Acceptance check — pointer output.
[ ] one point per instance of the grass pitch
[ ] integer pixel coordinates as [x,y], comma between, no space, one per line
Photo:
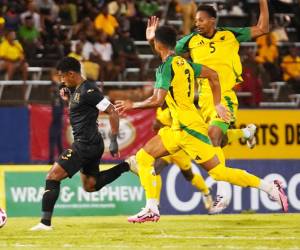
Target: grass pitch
[249,231]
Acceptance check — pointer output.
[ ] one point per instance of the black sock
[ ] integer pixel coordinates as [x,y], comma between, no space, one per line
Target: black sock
[108,176]
[49,199]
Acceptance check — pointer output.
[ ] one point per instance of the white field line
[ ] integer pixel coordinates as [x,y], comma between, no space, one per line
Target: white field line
[170,236]
[234,247]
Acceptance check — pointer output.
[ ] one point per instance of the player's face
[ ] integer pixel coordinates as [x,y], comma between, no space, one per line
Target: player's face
[204,22]
[67,78]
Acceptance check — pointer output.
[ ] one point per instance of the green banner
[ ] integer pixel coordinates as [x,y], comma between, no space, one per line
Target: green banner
[24,191]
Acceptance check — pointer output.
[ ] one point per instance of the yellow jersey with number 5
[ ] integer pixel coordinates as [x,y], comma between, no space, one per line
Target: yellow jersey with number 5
[219,52]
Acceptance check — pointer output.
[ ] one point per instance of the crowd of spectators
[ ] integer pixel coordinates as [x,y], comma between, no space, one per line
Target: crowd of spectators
[98,33]
[101,35]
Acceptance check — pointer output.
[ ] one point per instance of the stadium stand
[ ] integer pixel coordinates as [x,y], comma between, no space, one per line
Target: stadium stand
[56,25]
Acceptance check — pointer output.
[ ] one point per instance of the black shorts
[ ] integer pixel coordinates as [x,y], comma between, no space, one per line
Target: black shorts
[82,157]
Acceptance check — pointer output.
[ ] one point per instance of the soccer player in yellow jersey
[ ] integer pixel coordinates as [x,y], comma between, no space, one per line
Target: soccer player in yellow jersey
[175,85]
[217,48]
[180,158]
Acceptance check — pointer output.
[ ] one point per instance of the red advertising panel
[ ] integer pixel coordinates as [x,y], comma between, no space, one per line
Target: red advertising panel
[135,131]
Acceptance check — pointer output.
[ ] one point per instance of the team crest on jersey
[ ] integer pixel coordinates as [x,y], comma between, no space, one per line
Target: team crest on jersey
[180,62]
[76,97]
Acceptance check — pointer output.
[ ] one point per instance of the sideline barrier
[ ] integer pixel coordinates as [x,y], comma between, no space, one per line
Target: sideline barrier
[22,187]
[278,135]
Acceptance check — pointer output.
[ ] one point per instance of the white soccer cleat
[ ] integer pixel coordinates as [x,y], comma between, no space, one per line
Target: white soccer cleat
[41,227]
[251,140]
[133,166]
[219,205]
[207,201]
[144,216]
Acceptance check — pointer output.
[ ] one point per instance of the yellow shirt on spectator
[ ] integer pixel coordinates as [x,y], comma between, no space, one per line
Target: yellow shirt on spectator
[108,24]
[268,54]
[12,52]
[291,67]
[76,56]
[267,48]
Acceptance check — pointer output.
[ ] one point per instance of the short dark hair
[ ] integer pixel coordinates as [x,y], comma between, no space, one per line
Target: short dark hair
[210,10]
[166,35]
[69,64]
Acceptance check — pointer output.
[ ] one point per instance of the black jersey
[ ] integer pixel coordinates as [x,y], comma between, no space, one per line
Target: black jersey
[84,113]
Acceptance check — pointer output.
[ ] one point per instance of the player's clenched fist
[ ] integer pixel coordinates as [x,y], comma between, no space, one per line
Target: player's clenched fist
[64,93]
[113,146]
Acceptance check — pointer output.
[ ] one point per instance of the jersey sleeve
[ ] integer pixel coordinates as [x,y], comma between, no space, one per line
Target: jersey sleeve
[182,46]
[165,77]
[92,94]
[241,34]
[197,68]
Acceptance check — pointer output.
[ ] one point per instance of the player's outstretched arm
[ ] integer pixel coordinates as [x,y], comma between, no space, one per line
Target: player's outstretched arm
[262,26]
[156,100]
[215,86]
[114,126]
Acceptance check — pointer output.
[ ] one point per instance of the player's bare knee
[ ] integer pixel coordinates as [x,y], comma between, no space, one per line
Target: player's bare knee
[187,174]
[224,141]
[215,138]
[159,165]
[89,184]
[56,173]
[88,187]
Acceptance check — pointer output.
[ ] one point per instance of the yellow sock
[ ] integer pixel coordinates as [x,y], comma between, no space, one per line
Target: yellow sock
[234,176]
[200,184]
[220,154]
[148,180]
[234,134]
[158,187]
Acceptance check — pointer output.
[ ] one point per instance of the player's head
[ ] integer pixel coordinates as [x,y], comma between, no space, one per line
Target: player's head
[206,19]
[165,38]
[10,35]
[69,71]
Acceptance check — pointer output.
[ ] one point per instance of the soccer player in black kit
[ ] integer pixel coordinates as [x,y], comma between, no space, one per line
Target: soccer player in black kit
[85,102]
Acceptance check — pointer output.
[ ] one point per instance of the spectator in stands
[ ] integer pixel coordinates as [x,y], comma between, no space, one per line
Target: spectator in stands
[77,53]
[127,53]
[56,126]
[148,8]
[12,53]
[12,20]
[296,19]
[122,7]
[268,54]
[254,78]
[86,25]
[2,25]
[49,13]
[291,69]
[109,69]
[48,9]
[188,9]
[105,22]
[87,46]
[29,37]
[67,12]
[31,11]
